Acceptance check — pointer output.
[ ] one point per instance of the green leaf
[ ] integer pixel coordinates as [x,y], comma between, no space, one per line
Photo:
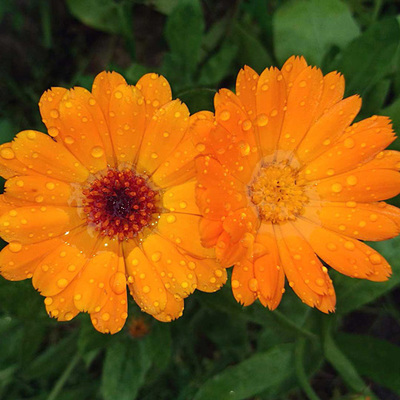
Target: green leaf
[374,358]
[252,51]
[103,15]
[7,131]
[198,99]
[366,60]
[338,360]
[218,66]
[164,6]
[184,35]
[252,376]
[354,293]
[311,27]
[124,370]
[375,98]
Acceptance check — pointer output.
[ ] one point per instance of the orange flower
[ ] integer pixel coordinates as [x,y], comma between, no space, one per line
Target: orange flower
[107,200]
[286,180]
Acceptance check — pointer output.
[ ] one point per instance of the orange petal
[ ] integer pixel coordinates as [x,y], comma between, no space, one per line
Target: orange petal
[358,148]
[58,269]
[246,86]
[210,275]
[127,121]
[244,284]
[210,231]
[362,221]
[362,185]
[61,306]
[103,87]
[49,107]
[238,222]
[99,274]
[162,136]
[302,104]
[112,316]
[291,70]
[173,309]
[172,266]
[144,281]
[18,262]
[156,92]
[348,256]
[83,129]
[271,102]
[32,224]
[181,198]
[179,167]
[267,268]
[182,229]
[233,138]
[38,189]
[9,164]
[228,252]
[302,268]
[42,154]
[332,92]
[212,191]
[328,128]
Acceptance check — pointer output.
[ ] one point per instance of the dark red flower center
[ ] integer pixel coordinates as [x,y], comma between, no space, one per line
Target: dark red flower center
[121,203]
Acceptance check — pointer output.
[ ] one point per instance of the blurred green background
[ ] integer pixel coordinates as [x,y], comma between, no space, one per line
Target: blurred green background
[218,350]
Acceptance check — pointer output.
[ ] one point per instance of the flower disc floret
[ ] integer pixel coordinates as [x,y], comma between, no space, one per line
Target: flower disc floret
[278,193]
[121,204]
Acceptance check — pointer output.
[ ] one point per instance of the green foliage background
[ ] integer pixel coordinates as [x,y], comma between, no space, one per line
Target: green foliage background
[218,349]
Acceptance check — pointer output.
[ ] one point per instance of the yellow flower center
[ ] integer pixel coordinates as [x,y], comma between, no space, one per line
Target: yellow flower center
[278,193]
[121,204]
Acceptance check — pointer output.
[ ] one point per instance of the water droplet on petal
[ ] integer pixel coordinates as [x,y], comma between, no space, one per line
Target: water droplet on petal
[97,152]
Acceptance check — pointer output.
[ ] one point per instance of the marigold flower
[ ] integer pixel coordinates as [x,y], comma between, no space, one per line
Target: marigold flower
[285,180]
[107,200]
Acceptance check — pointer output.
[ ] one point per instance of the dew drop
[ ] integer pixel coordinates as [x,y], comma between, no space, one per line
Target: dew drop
[253,284]
[171,219]
[235,284]
[262,120]
[62,283]
[146,289]
[156,256]
[97,152]
[7,153]
[246,125]
[118,282]
[349,143]
[15,247]
[336,188]
[351,180]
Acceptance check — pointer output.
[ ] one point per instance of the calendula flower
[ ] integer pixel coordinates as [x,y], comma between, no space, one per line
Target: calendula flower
[106,200]
[287,180]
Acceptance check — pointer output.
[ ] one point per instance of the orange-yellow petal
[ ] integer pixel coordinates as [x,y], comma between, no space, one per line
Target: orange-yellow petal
[58,269]
[103,87]
[171,265]
[268,270]
[302,105]
[348,256]
[173,309]
[362,221]
[164,132]
[246,86]
[38,189]
[127,122]
[244,284]
[42,154]
[182,230]
[332,92]
[291,69]
[270,109]
[181,198]
[32,224]
[156,92]
[97,276]
[61,306]
[361,185]
[330,126]
[144,281]
[18,262]
[359,147]
[9,164]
